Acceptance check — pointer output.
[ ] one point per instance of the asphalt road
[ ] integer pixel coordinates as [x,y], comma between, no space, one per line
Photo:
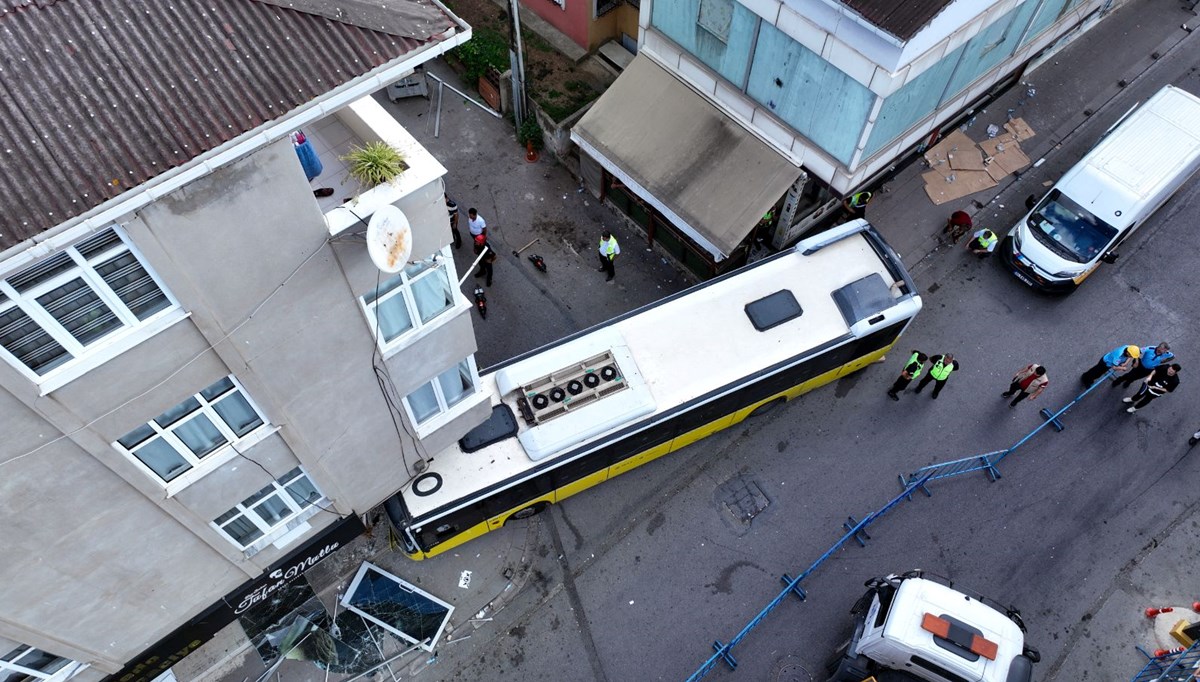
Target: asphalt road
[633,580]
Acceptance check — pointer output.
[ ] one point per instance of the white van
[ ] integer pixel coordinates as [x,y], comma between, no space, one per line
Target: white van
[1138,164]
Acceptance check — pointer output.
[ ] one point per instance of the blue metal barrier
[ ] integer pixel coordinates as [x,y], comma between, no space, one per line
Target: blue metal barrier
[724,652]
[856,530]
[1177,666]
[987,461]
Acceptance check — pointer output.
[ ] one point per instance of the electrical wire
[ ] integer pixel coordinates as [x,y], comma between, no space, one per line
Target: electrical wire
[383,378]
[276,478]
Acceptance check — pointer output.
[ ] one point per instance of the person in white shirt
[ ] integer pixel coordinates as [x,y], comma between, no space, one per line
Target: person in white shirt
[475,223]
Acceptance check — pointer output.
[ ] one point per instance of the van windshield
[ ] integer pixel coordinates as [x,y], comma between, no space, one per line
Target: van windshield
[1069,228]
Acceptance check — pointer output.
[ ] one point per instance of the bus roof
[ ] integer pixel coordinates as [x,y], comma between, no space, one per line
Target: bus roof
[675,351]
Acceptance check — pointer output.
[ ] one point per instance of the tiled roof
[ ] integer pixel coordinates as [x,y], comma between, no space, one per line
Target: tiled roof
[901,18]
[99,97]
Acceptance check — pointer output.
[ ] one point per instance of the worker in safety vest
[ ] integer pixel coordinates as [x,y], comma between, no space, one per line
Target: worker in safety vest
[939,373]
[983,243]
[855,205]
[609,250]
[912,370]
[767,219]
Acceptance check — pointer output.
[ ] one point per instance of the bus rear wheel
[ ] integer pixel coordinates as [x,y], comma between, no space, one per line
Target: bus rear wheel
[766,407]
[528,512]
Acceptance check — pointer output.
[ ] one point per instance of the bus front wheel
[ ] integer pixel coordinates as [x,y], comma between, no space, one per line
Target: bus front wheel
[528,512]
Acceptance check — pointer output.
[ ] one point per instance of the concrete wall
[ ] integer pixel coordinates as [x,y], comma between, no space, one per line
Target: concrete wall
[93,544]
[571,17]
[623,19]
[87,555]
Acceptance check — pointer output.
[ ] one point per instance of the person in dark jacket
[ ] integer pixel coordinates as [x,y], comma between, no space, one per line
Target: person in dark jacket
[1161,381]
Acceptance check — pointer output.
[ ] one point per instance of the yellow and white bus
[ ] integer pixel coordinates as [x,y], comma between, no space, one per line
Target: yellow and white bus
[596,404]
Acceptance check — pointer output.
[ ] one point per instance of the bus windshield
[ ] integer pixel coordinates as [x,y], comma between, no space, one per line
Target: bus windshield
[1070,229]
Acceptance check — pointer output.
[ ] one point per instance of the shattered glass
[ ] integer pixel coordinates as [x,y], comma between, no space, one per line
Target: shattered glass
[294,625]
[398,606]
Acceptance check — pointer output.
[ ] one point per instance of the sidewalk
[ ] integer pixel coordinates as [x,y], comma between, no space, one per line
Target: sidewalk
[521,202]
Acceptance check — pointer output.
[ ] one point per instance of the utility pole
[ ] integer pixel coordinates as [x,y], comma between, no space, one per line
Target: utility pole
[516,62]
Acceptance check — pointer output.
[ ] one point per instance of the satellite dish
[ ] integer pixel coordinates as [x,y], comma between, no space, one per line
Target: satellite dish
[389,239]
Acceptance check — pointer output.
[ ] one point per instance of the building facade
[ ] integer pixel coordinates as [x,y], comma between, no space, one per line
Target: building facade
[836,91]
[203,376]
[590,23]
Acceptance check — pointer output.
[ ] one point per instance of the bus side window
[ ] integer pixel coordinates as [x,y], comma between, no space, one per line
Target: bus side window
[876,340]
[435,532]
[517,495]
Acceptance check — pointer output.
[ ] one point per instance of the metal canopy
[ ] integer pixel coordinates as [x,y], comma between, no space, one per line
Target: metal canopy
[706,173]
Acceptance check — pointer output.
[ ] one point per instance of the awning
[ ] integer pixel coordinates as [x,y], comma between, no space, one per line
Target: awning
[704,172]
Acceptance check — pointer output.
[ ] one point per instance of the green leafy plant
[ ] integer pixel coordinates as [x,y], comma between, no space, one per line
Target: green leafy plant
[485,51]
[530,131]
[375,163]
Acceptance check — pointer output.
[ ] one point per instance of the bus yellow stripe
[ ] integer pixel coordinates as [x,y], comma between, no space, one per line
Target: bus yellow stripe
[701,432]
[581,485]
[639,459]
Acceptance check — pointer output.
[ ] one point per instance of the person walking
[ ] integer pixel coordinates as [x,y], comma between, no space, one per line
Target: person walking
[1161,381]
[1152,357]
[912,370]
[609,250]
[939,373]
[1030,382]
[488,260]
[475,223]
[983,243]
[452,210]
[1118,359]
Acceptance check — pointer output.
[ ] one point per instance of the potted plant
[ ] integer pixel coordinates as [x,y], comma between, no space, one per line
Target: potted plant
[530,133]
[375,163]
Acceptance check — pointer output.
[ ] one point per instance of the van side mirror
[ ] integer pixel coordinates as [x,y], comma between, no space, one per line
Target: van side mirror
[1030,201]
[1109,258]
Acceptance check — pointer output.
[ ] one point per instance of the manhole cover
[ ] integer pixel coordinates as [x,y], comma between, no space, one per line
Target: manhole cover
[790,670]
[743,498]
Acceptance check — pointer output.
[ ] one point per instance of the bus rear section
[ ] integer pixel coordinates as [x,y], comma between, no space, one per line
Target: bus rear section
[606,400]
[1131,172]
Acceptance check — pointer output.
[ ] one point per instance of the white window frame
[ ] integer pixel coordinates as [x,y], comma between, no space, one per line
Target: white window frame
[68,668]
[85,358]
[445,264]
[200,466]
[285,527]
[445,412]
